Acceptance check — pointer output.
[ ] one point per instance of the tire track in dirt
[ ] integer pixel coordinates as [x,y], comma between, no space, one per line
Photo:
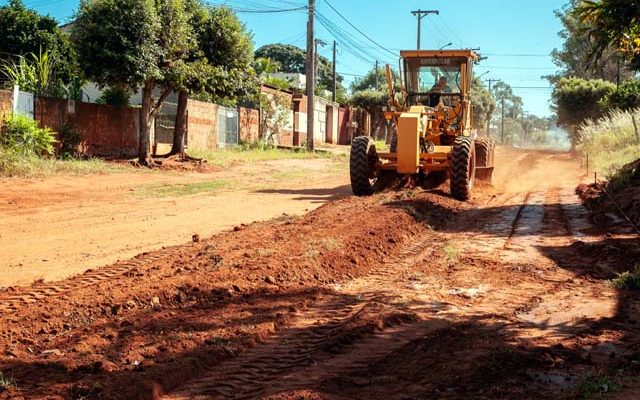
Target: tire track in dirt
[398,312]
[12,302]
[355,322]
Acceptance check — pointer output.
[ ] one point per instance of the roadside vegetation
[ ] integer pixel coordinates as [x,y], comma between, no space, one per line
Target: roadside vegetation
[248,153]
[27,150]
[610,142]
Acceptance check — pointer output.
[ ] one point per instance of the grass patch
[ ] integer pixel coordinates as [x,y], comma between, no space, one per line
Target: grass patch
[187,189]
[627,280]
[595,386]
[610,142]
[316,246]
[227,157]
[17,165]
[451,252]
[6,382]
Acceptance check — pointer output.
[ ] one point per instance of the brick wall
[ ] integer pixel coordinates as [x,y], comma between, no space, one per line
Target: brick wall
[6,103]
[202,125]
[105,130]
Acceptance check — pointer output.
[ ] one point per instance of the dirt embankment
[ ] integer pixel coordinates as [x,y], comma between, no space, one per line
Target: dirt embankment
[165,315]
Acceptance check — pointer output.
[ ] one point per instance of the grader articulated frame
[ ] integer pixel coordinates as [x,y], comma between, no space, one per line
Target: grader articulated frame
[432,127]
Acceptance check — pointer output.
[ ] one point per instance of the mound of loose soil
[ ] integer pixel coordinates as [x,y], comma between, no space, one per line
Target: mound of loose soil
[604,202]
[124,330]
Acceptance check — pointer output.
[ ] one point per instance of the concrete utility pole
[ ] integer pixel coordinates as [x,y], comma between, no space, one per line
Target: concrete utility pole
[421,14]
[502,129]
[318,42]
[377,77]
[310,70]
[335,76]
[490,81]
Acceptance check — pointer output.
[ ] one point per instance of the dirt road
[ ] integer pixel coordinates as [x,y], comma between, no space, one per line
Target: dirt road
[407,295]
[57,227]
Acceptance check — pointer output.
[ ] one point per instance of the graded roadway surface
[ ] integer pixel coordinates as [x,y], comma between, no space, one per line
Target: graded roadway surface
[403,295]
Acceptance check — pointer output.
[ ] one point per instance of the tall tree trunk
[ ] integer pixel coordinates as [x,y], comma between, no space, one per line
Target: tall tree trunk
[180,129]
[146,114]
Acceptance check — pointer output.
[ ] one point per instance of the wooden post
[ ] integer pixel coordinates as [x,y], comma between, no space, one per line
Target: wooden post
[635,125]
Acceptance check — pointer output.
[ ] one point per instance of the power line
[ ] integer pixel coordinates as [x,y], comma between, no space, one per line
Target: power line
[358,30]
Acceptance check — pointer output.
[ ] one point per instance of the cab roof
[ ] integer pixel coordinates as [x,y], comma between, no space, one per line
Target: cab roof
[467,53]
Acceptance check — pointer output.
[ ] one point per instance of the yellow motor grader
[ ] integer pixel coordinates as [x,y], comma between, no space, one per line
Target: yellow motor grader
[432,127]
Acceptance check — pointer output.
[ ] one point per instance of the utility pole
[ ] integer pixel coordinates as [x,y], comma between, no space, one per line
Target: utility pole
[310,70]
[335,76]
[318,42]
[377,76]
[421,14]
[489,119]
[502,129]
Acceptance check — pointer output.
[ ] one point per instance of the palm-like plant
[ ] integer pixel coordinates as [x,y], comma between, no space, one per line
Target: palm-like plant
[33,72]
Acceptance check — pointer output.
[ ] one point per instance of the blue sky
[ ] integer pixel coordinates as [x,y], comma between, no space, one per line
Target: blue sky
[516,36]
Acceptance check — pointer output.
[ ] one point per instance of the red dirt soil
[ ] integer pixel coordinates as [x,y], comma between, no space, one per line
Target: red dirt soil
[397,296]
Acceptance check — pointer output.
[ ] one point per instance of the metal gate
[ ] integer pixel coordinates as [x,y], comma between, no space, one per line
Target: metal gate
[23,102]
[228,124]
[165,122]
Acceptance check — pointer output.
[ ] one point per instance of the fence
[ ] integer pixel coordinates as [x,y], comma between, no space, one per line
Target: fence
[164,127]
[23,102]
[228,127]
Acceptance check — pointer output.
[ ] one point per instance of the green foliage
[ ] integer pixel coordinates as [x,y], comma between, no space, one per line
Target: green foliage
[368,82]
[35,73]
[24,32]
[292,59]
[23,136]
[574,57]
[370,100]
[598,386]
[117,41]
[69,139]
[114,96]
[627,176]
[610,142]
[612,24]
[16,164]
[577,100]
[482,102]
[625,97]
[275,114]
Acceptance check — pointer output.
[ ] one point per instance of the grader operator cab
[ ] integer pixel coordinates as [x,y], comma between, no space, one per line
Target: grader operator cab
[432,128]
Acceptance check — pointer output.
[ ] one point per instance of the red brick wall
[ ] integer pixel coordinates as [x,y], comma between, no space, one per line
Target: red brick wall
[249,125]
[6,103]
[202,125]
[105,130]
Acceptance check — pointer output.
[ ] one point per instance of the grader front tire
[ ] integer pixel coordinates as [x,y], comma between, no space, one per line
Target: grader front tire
[463,168]
[362,165]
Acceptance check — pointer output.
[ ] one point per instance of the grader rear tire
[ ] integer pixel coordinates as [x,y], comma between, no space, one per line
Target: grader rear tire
[463,168]
[362,166]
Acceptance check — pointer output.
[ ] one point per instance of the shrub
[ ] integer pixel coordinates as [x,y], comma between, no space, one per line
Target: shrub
[625,97]
[114,96]
[69,141]
[23,135]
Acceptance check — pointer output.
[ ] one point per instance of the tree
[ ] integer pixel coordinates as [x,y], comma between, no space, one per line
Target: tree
[133,43]
[368,82]
[219,67]
[482,102]
[612,24]
[577,100]
[27,35]
[574,57]
[292,59]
